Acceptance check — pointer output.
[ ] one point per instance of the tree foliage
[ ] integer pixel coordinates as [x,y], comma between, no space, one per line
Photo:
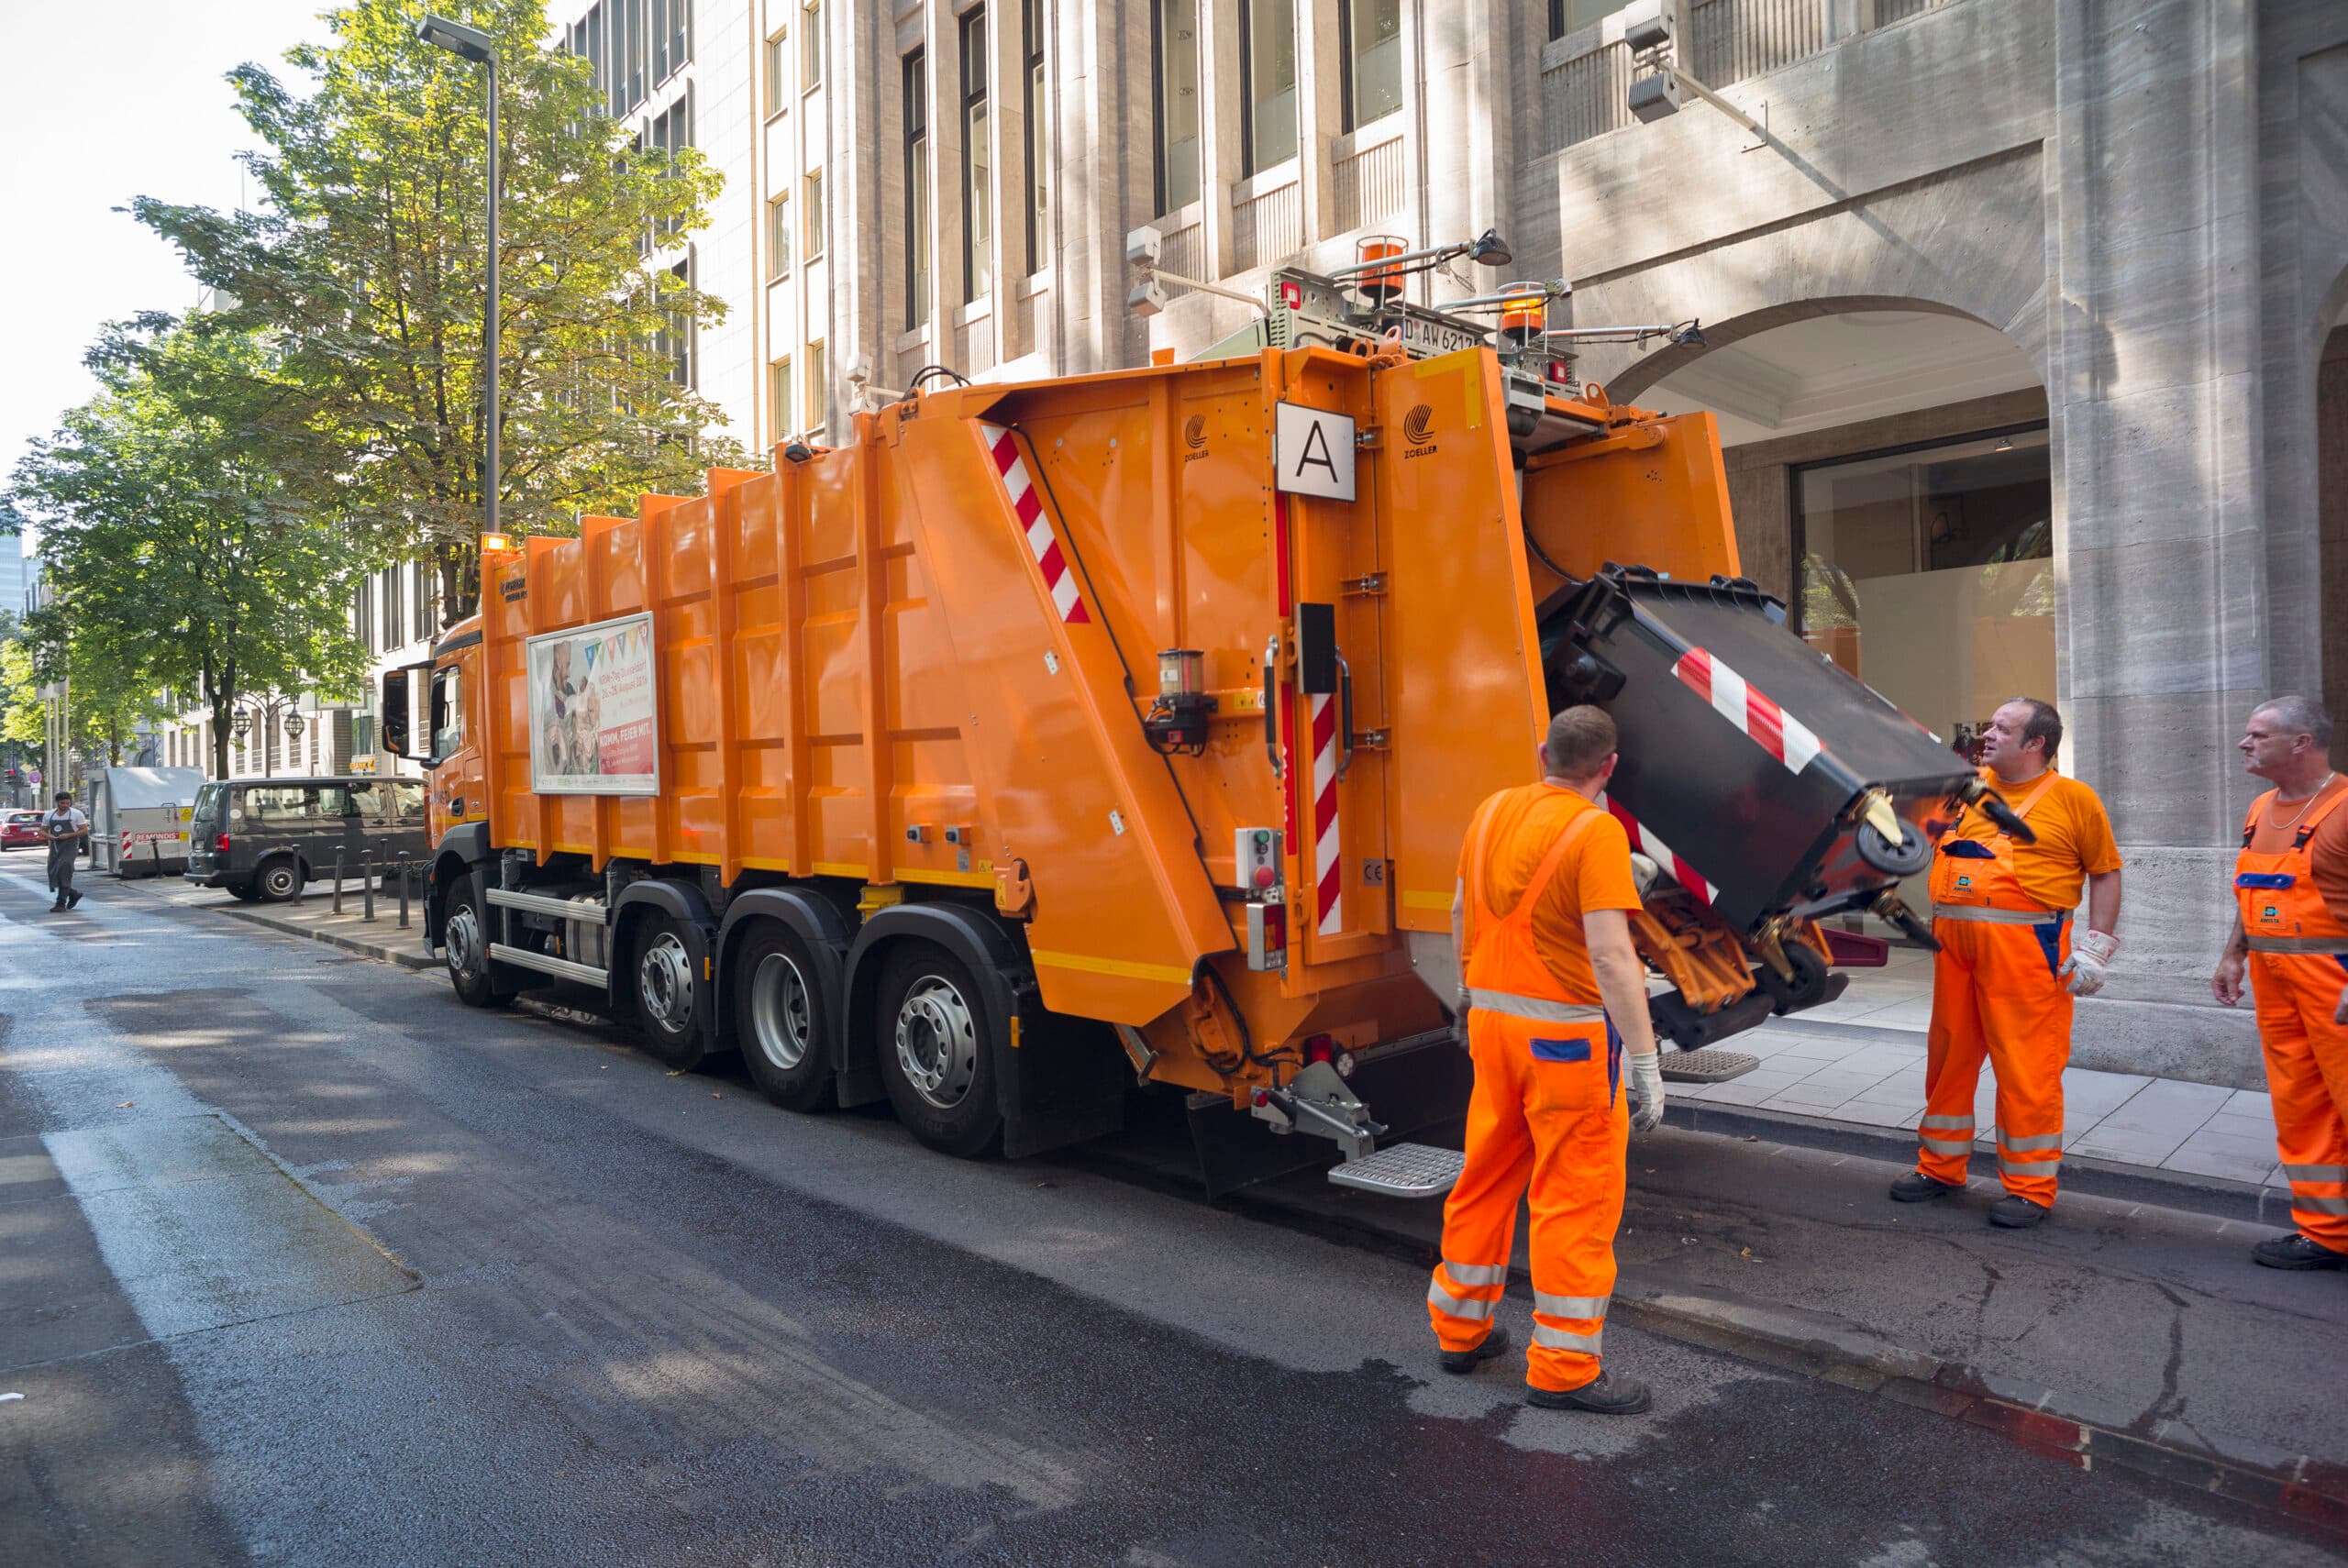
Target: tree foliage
[365,266]
[178,559]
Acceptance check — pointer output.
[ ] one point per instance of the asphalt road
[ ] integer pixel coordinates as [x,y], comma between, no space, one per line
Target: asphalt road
[301,1261]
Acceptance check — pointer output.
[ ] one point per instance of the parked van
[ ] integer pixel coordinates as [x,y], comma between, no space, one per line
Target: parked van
[263,838]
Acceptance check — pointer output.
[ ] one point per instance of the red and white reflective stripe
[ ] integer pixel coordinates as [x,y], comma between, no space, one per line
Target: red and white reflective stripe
[1328,876]
[1773,729]
[1027,501]
[1644,839]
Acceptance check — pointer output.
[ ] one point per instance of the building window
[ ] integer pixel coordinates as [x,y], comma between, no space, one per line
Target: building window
[811,44]
[1369,43]
[671,131]
[362,614]
[1031,22]
[1174,62]
[777,71]
[815,386]
[661,64]
[1572,15]
[916,82]
[428,603]
[779,407]
[395,621]
[1267,71]
[680,41]
[632,54]
[813,218]
[978,163]
[1907,555]
[675,338]
[778,236]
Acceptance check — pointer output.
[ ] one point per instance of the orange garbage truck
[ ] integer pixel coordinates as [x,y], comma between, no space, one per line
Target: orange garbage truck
[1041,740]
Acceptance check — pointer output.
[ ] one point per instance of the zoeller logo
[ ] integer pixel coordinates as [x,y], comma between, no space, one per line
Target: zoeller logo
[1415,426]
[1195,435]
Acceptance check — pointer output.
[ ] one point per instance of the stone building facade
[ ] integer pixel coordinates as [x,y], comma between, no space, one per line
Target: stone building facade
[2018,316]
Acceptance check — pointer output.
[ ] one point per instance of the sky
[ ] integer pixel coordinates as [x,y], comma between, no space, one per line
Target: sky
[114,99]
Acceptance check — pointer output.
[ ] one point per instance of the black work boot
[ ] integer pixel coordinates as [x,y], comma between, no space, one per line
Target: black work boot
[74,898]
[1463,1361]
[2016,1213]
[1611,1395]
[2296,1250]
[1918,1187]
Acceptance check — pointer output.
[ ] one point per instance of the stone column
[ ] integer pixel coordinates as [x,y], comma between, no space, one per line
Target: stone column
[2153,403]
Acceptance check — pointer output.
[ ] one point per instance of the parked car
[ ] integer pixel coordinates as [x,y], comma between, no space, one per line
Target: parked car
[263,838]
[20,827]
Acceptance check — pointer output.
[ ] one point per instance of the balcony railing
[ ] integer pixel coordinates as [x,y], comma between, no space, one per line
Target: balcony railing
[1267,225]
[1367,177]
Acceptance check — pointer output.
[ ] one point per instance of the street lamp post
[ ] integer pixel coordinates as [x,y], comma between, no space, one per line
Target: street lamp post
[267,710]
[482,49]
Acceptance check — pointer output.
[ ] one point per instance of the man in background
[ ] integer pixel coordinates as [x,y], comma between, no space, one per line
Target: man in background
[68,832]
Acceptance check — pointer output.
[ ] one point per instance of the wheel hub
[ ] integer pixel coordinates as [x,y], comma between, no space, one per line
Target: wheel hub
[463,940]
[664,979]
[782,1018]
[937,1042]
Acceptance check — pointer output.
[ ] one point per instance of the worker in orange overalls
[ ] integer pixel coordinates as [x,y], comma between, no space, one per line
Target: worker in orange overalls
[2290,941]
[1553,989]
[2005,977]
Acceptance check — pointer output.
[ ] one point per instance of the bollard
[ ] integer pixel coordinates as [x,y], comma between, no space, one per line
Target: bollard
[338,879]
[367,885]
[402,892]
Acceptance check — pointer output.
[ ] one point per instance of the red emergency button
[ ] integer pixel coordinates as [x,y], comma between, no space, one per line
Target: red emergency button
[1262,875]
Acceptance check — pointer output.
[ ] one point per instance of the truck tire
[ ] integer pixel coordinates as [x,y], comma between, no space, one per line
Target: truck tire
[780,1017]
[666,993]
[938,1051]
[464,942]
[278,880]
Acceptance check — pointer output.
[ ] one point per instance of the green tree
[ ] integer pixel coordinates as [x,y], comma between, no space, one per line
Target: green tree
[178,557]
[367,265]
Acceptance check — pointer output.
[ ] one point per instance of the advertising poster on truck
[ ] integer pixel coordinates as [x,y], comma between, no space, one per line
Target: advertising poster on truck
[594,721]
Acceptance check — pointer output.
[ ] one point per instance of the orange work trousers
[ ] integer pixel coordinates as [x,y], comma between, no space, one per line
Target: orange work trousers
[1996,995]
[2307,1074]
[1549,1123]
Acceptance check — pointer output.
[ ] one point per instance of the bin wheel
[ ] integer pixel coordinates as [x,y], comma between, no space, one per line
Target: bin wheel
[1806,988]
[1911,855]
[938,1051]
[279,880]
[780,1017]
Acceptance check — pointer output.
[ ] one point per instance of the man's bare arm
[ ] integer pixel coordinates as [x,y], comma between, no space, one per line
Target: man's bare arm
[1622,978]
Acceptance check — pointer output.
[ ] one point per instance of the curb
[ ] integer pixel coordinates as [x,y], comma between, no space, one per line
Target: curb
[405,958]
[2214,1196]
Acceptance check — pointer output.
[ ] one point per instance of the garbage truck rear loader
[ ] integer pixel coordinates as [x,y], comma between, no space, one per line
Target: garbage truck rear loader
[1043,739]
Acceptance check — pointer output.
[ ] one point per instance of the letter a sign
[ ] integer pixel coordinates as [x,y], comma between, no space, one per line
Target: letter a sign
[1313,452]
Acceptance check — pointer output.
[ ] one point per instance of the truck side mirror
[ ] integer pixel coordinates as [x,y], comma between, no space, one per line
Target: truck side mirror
[394,709]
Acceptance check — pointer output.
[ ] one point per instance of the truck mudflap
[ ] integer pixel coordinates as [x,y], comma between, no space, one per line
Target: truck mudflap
[1770,784]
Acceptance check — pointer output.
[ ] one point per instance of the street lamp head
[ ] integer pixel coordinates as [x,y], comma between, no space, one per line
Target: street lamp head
[458,39]
[243,725]
[293,726]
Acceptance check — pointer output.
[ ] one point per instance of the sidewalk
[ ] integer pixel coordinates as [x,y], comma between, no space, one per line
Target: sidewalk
[1860,1059]
[311,915]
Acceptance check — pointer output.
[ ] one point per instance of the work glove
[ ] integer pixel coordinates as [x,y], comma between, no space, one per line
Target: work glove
[2090,955]
[1646,1090]
[1459,1018]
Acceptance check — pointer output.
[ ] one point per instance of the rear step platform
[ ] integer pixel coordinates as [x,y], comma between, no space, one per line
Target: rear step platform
[1707,1066]
[1402,1170]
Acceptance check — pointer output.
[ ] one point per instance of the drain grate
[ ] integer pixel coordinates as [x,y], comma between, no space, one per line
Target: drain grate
[1707,1066]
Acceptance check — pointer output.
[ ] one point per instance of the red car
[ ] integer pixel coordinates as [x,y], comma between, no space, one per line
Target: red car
[20,827]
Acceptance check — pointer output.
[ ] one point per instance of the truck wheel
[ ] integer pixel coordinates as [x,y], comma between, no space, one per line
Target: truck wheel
[938,1051]
[779,1018]
[279,880]
[464,940]
[668,994]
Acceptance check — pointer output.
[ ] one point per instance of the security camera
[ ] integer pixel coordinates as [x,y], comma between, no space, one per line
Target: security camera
[1142,246]
[1148,297]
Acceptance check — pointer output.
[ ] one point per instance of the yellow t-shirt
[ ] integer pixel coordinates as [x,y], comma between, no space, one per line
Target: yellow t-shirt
[2074,838]
[1595,874]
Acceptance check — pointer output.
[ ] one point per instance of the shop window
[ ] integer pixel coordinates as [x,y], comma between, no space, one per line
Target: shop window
[1929,574]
